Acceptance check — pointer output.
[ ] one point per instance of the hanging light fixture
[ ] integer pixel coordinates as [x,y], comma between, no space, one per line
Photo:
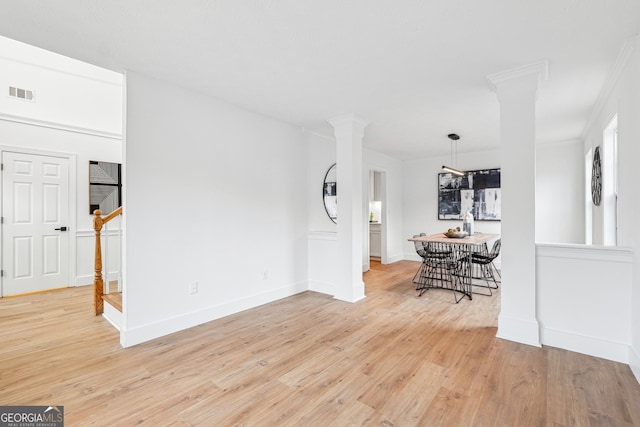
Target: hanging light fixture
[454,141]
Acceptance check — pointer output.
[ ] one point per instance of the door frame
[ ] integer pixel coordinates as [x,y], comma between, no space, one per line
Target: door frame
[384,258]
[71,158]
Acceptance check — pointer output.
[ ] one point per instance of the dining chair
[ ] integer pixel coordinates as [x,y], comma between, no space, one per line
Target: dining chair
[484,267]
[442,264]
[422,252]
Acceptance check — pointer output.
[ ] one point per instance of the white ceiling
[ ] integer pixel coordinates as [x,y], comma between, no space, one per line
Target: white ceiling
[415,69]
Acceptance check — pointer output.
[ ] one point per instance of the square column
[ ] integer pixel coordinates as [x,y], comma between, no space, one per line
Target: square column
[349,131]
[517,94]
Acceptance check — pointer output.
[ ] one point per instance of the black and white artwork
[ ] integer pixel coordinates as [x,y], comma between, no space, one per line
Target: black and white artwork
[477,191]
[330,189]
[105,186]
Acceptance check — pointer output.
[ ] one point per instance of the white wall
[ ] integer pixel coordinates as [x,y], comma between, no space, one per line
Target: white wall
[420,196]
[322,236]
[560,192]
[214,195]
[624,100]
[68,93]
[321,155]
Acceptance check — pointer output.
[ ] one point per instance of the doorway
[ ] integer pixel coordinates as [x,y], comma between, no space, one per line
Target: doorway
[36,219]
[377,215]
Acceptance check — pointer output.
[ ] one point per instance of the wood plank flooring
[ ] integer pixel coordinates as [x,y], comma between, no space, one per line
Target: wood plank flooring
[392,359]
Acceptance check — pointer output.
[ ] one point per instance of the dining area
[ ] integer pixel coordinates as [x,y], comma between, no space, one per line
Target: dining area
[457,261]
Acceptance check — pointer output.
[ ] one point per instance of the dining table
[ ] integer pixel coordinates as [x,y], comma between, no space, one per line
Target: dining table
[465,247]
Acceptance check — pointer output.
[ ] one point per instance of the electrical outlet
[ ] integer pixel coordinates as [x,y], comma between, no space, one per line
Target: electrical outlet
[265,275]
[193,288]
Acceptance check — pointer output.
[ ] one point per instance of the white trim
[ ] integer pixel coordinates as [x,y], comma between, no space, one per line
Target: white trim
[634,362]
[519,329]
[412,257]
[322,235]
[585,344]
[96,70]
[123,220]
[322,287]
[539,68]
[320,135]
[59,126]
[84,280]
[113,315]
[131,337]
[396,258]
[585,252]
[92,233]
[612,79]
[358,123]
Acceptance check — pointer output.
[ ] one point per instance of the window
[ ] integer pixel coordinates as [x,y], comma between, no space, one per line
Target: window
[610,183]
[588,220]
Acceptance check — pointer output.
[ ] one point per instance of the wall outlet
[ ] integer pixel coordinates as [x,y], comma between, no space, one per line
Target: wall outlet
[193,288]
[265,275]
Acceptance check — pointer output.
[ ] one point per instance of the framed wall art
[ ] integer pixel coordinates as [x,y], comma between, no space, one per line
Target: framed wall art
[478,191]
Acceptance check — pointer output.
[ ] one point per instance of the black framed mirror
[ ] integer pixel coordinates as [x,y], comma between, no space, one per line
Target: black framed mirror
[330,193]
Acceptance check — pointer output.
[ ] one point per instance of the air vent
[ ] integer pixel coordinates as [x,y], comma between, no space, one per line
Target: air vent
[25,94]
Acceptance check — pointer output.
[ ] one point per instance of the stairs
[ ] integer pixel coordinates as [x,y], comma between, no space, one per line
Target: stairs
[114,299]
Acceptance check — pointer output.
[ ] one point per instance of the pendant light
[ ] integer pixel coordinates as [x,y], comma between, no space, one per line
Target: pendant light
[454,141]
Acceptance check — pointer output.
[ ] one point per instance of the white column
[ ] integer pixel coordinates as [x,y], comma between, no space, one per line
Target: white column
[349,131]
[517,93]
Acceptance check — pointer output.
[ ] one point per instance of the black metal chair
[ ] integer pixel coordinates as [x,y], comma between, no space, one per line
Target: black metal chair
[441,264]
[483,267]
[422,251]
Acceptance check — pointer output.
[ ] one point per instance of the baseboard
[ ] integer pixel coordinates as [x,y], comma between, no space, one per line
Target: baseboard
[87,280]
[517,329]
[634,363]
[412,257]
[112,315]
[138,335]
[322,287]
[592,346]
[394,258]
[84,280]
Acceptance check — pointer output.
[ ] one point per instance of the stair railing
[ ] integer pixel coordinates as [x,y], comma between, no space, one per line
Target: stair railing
[98,283]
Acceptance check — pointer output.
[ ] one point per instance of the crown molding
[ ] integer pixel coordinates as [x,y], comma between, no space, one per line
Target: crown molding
[628,47]
[539,68]
[319,135]
[348,119]
[59,126]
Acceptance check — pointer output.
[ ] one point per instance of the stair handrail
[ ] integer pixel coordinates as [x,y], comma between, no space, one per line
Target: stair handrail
[98,283]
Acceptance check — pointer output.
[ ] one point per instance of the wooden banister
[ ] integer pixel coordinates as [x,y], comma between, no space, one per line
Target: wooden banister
[98,284]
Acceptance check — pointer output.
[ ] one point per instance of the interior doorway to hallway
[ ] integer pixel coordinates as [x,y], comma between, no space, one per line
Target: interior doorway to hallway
[377,215]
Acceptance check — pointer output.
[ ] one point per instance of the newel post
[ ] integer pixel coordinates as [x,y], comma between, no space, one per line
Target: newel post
[98,283]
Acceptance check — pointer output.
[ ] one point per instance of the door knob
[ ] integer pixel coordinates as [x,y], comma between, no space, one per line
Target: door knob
[61,229]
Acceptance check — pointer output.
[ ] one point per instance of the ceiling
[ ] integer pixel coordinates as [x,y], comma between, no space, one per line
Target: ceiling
[415,69]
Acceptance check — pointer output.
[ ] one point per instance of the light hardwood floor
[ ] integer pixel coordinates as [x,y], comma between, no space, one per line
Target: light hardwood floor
[392,359]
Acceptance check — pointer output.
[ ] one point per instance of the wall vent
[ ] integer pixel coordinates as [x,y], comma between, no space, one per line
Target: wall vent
[25,94]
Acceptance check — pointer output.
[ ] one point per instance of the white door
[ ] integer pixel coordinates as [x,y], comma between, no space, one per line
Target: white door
[35,214]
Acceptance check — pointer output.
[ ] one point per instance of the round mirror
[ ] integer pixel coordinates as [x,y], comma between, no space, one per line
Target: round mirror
[329,193]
